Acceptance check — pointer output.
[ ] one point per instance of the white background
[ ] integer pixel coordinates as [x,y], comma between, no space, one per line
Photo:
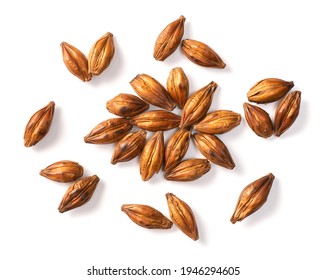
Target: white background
[256,39]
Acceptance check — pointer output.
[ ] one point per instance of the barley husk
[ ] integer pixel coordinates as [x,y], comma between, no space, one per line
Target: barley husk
[176,148]
[151,158]
[258,120]
[156,120]
[146,216]
[201,54]
[287,112]
[188,170]
[63,171]
[109,131]
[213,149]
[152,91]
[39,125]
[169,39]
[101,54]
[129,146]
[78,193]
[178,86]
[197,105]
[252,197]
[218,122]
[75,61]
[126,105]
[269,90]
[182,216]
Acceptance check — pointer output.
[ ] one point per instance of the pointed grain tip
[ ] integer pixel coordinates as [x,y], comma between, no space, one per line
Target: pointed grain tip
[214,85]
[271,175]
[182,18]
